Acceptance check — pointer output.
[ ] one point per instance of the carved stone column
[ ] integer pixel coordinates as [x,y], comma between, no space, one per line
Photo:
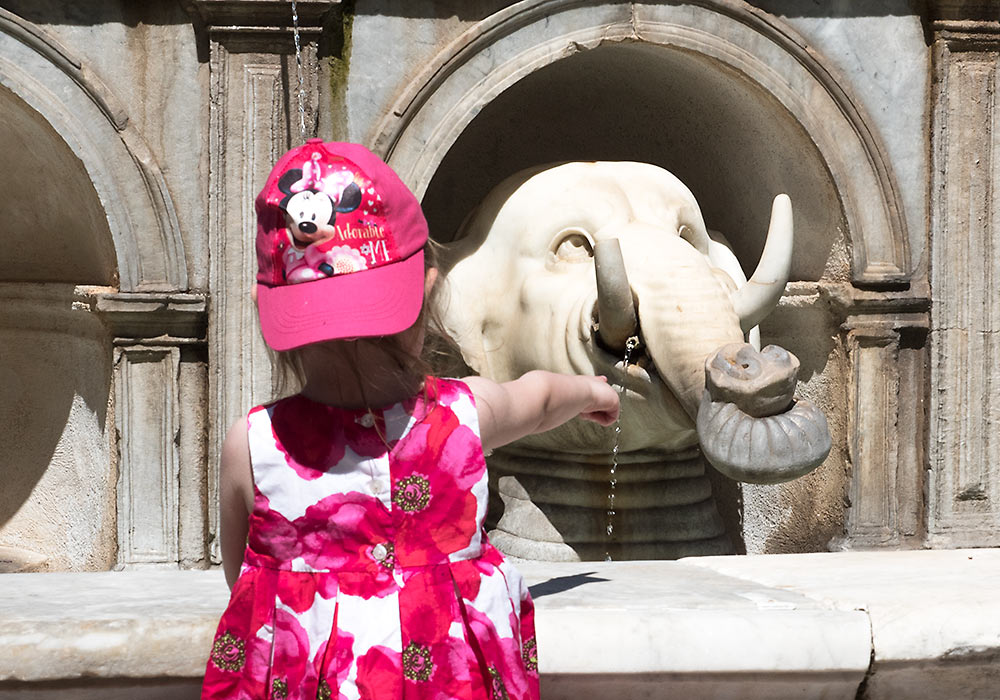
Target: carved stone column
[964,476]
[254,119]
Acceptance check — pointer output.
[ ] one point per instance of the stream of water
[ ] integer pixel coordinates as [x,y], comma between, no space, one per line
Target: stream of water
[630,345]
[298,70]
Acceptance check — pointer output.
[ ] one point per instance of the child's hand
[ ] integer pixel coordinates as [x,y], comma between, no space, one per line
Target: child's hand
[539,401]
[604,402]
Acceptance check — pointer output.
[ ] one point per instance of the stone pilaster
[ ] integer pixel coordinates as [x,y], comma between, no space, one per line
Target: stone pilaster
[254,102]
[885,337]
[159,348]
[964,451]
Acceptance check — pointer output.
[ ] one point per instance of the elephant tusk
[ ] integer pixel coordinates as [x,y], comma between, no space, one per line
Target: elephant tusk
[616,317]
[758,297]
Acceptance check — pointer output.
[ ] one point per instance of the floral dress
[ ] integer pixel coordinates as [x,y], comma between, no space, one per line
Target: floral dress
[367,572]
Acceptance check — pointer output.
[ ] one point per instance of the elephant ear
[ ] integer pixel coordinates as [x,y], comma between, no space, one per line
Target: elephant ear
[721,256]
[458,322]
[474,321]
[723,259]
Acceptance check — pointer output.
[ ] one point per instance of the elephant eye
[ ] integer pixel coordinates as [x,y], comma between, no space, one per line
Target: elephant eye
[573,245]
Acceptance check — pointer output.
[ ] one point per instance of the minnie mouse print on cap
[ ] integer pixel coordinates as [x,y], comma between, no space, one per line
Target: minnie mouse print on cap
[340,243]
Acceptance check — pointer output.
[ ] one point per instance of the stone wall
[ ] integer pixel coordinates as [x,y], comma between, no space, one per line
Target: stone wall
[137,134]
[104,289]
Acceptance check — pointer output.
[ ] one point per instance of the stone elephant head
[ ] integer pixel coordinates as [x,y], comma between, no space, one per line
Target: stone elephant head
[559,266]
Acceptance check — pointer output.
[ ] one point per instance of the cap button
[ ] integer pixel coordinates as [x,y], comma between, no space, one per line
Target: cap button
[314,140]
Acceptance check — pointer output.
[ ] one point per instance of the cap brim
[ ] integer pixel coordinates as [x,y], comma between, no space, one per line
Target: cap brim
[379,301]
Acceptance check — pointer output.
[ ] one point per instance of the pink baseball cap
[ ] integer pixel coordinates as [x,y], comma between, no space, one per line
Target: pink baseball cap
[340,243]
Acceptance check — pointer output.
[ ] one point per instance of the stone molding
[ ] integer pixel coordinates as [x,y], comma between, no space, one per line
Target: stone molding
[964,488]
[153,318]
[964,10]
[886,429]
[261,16]
[442,100]
[150,318]
[93,122]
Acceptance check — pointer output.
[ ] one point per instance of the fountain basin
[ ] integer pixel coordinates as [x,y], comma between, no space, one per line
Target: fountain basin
[917,624]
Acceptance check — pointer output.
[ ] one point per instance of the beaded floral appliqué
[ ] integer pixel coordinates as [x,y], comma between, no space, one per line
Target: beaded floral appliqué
[385,554]
[324,692]
[529,654]
[279,689]
[499,689]
[228,652]
[412,493]
[417,664]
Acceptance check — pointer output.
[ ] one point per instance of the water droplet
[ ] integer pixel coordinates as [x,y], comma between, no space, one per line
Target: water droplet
[630,345]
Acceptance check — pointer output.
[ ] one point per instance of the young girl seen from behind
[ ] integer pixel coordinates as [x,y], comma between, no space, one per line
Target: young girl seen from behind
[352,512]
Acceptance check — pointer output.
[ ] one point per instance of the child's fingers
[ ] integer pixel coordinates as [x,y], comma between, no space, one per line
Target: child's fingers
[604,418]
[604,396]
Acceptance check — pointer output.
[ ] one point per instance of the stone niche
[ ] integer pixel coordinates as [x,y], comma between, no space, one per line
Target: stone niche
[57,507]
[102,362]
[739,106]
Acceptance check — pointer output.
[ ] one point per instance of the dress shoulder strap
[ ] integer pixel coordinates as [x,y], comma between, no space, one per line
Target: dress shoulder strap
[456,396]
[265,454]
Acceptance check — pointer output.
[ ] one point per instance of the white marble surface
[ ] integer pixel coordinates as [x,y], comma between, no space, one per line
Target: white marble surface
[934,615]
[670,630]
[770,626]
[670,617]
[922,605]
[136,624]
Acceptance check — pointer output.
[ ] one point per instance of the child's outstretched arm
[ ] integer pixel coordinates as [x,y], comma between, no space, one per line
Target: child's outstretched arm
[235,498]
[539,401]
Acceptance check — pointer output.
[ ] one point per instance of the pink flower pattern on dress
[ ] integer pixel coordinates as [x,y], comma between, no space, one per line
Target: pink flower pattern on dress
[367,574]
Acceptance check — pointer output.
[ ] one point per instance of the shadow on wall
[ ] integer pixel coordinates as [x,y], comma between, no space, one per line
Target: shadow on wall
[96,12]
[732,144]
[56,384]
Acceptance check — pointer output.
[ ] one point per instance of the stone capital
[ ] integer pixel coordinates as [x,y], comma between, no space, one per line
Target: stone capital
[153,318]
[261,16]
[967,25]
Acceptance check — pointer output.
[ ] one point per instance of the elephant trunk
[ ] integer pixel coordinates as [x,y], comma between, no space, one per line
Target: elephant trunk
[616,318]
[685,314]
[750,426]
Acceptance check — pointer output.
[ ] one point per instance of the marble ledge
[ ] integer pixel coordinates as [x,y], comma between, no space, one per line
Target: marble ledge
[899,624]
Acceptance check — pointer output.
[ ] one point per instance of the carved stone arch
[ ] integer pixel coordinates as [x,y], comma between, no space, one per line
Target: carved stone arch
[494,55]
[85,114]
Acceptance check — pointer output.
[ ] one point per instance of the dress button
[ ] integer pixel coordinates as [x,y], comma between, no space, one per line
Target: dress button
[380,552]
[376,486]
[366,421]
